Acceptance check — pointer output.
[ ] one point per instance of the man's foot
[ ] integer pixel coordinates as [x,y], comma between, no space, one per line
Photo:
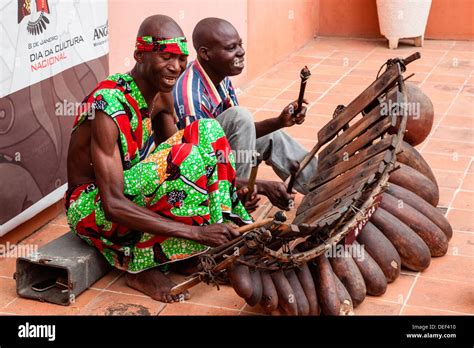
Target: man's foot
[155,284]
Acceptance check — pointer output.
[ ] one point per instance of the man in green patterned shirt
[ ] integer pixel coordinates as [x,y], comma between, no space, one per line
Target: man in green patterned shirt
[142,193]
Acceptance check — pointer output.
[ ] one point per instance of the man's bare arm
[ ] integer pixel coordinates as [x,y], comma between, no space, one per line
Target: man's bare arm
[267,126]
[117,208]
[287,118]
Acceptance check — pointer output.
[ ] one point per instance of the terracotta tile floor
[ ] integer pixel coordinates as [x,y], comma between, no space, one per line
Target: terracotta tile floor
[341,69]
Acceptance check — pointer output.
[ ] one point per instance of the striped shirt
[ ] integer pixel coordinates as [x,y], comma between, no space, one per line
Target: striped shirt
[196,97]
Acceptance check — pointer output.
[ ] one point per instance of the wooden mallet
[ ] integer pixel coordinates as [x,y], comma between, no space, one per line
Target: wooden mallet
[257,158]
[194,280]
[304,75]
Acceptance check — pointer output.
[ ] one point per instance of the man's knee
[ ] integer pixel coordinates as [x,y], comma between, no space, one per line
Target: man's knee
[242,114]
[238,116]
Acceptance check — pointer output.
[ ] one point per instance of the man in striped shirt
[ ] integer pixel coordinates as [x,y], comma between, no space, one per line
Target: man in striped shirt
[204,90]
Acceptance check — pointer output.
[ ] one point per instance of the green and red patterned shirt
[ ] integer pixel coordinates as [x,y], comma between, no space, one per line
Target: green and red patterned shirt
[119,97]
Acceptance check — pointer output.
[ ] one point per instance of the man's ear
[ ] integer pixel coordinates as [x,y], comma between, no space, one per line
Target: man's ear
[203,53]
[138,55]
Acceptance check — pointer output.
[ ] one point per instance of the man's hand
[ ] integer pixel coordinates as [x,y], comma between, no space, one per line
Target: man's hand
[288,117]
[215,234]
[252,203]
[276,193]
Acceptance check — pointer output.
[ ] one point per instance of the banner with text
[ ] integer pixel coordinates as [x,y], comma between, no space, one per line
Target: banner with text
[52,55]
